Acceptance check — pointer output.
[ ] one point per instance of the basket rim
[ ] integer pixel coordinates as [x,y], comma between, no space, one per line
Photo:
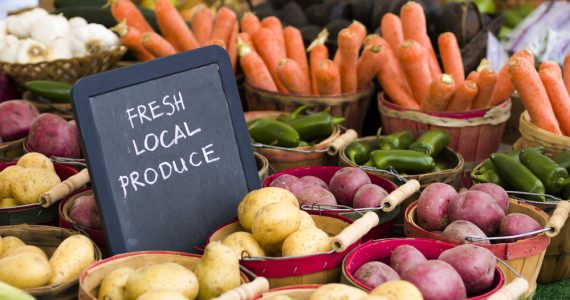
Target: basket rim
[323,100]
[7,144]
[526,124]
[65,206]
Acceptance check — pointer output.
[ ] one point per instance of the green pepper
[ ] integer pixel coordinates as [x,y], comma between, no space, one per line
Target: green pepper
[563,159]
[397,140]
[369,163]
[517,175]
[292,116]
[487,173]
[316,125]
[432,142]
[358,152]
[554,177]
[303,144]
[407,161]
[272,132]
[52,90]
[515,154]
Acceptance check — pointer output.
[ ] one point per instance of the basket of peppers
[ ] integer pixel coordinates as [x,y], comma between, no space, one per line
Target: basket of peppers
[402,156]
[297,139]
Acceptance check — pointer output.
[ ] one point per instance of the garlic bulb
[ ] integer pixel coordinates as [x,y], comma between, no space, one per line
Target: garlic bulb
[20,25]
[48,28]
[76,22]
[9,50]
[91,39]
[31,51]
[59,49]
[3,32]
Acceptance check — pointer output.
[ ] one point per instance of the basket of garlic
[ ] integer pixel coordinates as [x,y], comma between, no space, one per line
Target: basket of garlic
[36,45]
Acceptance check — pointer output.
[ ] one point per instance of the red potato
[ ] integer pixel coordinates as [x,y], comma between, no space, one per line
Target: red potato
[316,195]
[84,211]
[496,192]
[288,182]
[405,257]
[51,135]
[475,265]
[16,118]
[73,127]
[310,181]
[517,223]
[374,273]
[460,229]
[432,211]
[345,182]
[478,208]
[437,280]
[369,195]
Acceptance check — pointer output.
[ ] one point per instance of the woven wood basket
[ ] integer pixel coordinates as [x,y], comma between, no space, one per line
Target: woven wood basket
[66,70]
[262,166]
[11,150]
[48,239]
[532,135]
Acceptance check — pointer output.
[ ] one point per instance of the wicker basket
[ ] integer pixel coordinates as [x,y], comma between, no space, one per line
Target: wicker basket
[48,239]
[66,70]
[532,135]
[11,150]
[262,166]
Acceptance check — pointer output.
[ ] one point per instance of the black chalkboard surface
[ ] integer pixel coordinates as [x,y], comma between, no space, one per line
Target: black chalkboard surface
[168,150]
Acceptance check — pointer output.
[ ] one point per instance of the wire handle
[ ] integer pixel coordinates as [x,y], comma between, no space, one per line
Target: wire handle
[496,238]
[399,195]
[355,231]
[515,193]
[246,291]
[64,188]
[389,171]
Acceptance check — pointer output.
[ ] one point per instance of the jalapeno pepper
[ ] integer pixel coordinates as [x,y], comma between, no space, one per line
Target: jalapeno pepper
[397,140]
[563,159]
[517,175]
[358,152]
[408,161]
[52,90]
[554,177]
[369,163]
[432,142]
[315,125]
[303,144]
[292,116]
[487,173]
[272,132]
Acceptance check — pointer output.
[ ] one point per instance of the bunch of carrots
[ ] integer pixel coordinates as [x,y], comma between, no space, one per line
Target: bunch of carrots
[274,58]
[206,29]
[545,93]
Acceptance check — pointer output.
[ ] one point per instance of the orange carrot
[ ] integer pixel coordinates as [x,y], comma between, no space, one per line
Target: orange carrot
[202,23]
[504,87]
[533,94]
[551,76]
[337,57]
[463,96]
[328,78]
[156,44]
[414,61]
[254,68]
[127,10]
[451,57]
[274,24]
[131,37]
[293,78]
[374,39]
[440,91]
[473,76]
[269,50]
[414,27]
[224,24]
[246,38]
[217,42]
[296,48]
[359,29]
[232,47]
[173,27]
[368,65]
[566,73]
[391,28]
[485,85]
[250,23]
[348,46]
[317,52]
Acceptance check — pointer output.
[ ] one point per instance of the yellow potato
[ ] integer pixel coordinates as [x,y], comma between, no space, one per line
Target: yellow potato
[73,255]
[306,220]
[243,243]
[35,160]
[398,289]
[29,184]
[24,249]
[372,297]
[6,177]
[1,246]
[217,271]
[113,285]
[255,200]
[306,241]
[24,271]
[279,297]
[8,202]
[167,276]
[10,242]
[274,222]
[161,295]
[337,291]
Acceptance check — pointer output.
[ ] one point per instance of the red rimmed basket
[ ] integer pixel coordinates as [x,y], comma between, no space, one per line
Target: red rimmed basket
[381,250]
[11,150]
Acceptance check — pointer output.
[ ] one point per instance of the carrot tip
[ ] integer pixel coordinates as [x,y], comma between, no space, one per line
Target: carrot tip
[470,84]
[407,44]
[121,28]
[447,79]
[484,63]
[283,62]
[375,48]
[320,40]
[371,36]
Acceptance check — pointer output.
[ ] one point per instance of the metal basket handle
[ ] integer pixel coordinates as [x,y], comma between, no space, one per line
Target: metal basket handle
[514,289]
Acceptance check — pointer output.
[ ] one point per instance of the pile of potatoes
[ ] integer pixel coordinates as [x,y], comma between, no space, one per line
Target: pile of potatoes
[216,272]
[275,226]
[24,183]
[479,212]
[26,266]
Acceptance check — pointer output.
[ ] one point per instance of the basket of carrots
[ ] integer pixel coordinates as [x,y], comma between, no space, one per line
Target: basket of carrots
[282,75]
[419,96]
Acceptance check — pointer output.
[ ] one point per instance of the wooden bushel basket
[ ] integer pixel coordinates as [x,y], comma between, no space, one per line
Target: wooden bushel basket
[48,239]
[532,135]
[11,150]
[474,134]
[262,166]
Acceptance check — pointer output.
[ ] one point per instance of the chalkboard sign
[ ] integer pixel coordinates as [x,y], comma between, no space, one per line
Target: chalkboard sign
[168,150]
